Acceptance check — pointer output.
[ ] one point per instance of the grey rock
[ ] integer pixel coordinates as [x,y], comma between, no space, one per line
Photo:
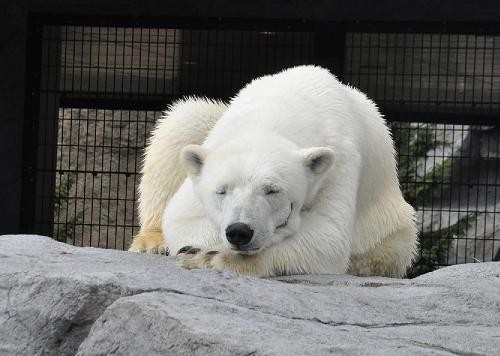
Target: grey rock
[60,299]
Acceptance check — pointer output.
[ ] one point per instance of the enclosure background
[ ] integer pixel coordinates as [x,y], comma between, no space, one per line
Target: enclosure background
[100,90]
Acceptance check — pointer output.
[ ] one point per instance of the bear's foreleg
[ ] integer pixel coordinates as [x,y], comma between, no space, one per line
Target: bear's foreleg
[188,121]
[314,249]
[391,257]
[221,258]
[149,241]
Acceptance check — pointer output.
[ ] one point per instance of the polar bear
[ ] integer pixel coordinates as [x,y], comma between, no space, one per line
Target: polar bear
[297,174]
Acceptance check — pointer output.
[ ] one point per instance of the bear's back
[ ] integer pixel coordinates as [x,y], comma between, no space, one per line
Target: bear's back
[291,104]
[306,105]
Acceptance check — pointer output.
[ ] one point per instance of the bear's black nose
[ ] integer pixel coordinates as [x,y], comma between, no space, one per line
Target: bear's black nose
[239,234]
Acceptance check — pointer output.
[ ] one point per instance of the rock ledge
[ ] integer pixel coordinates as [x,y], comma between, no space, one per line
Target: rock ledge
[60,299]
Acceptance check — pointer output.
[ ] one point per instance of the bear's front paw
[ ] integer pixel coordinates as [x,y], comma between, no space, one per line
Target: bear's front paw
[151,241]
[220,259]
[192,258]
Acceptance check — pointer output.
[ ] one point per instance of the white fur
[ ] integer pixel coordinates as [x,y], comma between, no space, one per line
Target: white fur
[186,122]
[348,212]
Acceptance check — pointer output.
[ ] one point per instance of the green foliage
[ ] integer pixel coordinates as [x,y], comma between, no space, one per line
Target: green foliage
[435,246]
[66,231]
[63,189]
[414,142]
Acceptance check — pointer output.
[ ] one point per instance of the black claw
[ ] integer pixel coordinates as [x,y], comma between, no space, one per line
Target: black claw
[184,249]
[193,251]
[212,253]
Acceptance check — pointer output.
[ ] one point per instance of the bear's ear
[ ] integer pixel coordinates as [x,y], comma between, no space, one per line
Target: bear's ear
[318,159]
[192,159]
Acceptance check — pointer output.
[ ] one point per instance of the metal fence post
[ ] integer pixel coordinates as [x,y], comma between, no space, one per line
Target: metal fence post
[330,48]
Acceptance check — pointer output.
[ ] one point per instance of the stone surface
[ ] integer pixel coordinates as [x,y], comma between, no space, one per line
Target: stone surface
[59,299]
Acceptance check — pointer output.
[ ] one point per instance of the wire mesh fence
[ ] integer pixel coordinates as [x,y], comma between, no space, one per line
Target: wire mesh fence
[98,159]
[100,90]
[440,73]
[448,168]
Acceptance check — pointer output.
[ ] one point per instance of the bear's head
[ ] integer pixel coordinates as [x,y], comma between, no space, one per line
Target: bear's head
[254,193]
